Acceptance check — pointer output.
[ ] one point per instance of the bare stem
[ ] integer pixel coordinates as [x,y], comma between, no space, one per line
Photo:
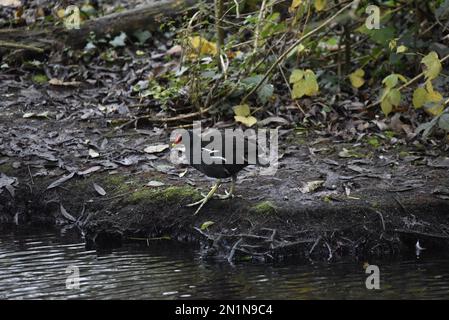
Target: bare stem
[292,47]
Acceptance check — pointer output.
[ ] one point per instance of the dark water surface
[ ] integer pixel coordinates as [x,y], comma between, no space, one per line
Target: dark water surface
[34,265]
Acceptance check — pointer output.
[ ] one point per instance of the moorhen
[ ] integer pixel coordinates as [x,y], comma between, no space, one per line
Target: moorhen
[210,154]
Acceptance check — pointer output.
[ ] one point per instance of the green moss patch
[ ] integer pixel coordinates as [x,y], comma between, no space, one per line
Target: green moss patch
[264,207]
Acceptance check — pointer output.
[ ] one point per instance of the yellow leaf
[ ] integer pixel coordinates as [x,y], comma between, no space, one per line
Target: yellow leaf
[401,49]
[432,65]
[202,46]
[356,78]
[320,5]
[297,75]
[295,4]
[392,44]
[247,121]
[60,13]
[242,110]
[304,83]
[310,83]
[434,96]
[419,97]
[298,90]
[434,109]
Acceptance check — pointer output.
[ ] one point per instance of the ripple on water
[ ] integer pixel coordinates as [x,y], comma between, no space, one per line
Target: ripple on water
[33,266]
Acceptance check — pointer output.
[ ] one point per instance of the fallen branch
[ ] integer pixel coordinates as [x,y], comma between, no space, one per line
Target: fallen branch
[15,45]
[142,17]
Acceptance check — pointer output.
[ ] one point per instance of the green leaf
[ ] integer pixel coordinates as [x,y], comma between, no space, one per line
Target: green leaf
[40,78]
[265,92]
[443,122]
[419,97]
[206,225]
[391,81]
[386,106]
[395,97]
[242,110]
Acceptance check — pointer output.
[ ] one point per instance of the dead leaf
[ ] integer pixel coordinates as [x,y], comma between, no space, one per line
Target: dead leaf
[311,186]
[57,82]
[99,189]
[156,148]
[65,214]
[93,153]
[155,184]
[60,181]
[88,171]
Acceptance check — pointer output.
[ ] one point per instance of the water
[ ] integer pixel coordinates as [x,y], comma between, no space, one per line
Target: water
[33,266]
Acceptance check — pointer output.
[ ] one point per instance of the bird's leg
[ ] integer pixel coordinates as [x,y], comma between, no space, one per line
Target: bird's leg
[229,194]
[203,201]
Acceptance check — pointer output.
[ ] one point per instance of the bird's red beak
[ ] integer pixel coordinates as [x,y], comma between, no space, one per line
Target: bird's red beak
[177,141]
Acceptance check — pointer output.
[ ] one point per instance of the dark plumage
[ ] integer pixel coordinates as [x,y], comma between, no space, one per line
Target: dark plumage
[214,159]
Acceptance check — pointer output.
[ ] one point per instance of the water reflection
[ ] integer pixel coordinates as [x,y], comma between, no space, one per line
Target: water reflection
[33,266]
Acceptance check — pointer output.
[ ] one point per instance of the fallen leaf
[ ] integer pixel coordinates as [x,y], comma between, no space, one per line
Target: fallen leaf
[156,148]
[311,186]
[155,184]
[65,214]
[57,82]
[61,181]
[88,171]
[99,189]
[206,225]
[93,153]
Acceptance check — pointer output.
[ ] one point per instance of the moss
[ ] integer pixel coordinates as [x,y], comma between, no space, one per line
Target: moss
[173,194]
[118,183]
[7,169]
[264,207]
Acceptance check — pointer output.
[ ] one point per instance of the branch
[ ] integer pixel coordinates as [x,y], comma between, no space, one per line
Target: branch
[15,45]
[405,85]
[292,47]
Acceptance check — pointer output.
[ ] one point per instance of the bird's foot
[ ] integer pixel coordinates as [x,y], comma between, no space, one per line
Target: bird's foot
[206,198]
[227,195]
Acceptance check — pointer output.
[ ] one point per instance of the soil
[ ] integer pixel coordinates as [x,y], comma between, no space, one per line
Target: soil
[362,200]
[72,155]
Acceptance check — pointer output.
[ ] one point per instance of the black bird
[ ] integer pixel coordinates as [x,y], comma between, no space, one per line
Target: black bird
[210,154]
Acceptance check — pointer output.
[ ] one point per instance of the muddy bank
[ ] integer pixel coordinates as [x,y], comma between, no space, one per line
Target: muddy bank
[315,206]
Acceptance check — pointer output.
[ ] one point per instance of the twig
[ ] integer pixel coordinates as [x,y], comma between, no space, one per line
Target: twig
[381,218]
[172,119]
[219,31]
[259,22]
[31,176]
[330,251]
[314,245]
[423,234]
[15,45]
[291,48]
[405,85]
[231,254]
